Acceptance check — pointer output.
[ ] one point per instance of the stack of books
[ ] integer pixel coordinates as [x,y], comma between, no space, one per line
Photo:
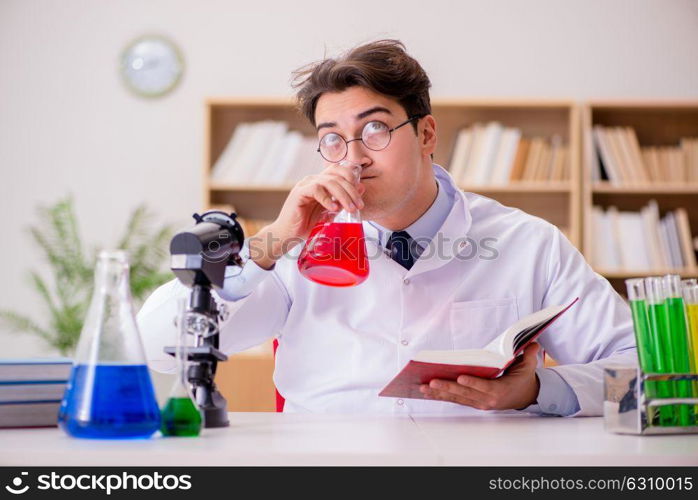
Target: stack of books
[619,159]
[642,241]
[31,391]
[266,153]
[494,155]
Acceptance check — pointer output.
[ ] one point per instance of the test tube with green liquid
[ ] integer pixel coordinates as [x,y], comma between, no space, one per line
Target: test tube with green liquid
[658,322]
[689,289]
[678,332]
[643,338]
[638,307]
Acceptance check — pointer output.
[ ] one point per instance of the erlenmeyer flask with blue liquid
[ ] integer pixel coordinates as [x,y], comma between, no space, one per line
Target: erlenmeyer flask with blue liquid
[110,394]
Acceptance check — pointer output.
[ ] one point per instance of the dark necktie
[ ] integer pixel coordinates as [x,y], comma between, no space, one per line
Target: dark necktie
[400,245]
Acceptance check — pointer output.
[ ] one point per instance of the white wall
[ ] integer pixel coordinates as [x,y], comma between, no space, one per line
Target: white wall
[68,125]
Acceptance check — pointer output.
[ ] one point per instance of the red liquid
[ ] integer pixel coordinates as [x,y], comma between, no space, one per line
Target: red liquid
[335,254]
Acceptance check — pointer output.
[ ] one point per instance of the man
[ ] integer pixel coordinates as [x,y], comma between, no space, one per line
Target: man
[448,270]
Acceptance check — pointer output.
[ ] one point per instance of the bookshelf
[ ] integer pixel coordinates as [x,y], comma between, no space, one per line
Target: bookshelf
[656,123]
[222,116]
[557,202]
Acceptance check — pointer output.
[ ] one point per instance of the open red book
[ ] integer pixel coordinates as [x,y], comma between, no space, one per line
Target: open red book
[489,362]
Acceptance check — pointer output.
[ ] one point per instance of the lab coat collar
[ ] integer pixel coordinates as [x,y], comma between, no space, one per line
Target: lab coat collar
[450,239]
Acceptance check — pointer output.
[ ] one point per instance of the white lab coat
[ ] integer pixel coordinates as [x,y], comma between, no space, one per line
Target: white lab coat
[339,346]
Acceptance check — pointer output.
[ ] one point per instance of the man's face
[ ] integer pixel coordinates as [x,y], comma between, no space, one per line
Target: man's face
[391,176]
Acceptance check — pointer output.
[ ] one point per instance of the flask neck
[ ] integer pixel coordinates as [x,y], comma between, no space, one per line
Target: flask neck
[347,217]
[344,216]
[110,332]
[112,277]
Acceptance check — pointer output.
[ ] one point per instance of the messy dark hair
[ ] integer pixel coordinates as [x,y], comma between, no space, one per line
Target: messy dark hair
[382,66]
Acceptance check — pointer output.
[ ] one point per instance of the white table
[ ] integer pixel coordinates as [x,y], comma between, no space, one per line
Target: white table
[302,439]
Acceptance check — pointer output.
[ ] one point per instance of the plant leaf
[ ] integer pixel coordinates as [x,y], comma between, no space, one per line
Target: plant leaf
[19,323]
[68,293]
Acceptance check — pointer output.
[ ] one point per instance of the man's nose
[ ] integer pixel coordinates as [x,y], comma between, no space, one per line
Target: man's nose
[358,153]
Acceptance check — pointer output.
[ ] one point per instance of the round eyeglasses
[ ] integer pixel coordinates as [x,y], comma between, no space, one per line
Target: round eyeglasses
[375,136]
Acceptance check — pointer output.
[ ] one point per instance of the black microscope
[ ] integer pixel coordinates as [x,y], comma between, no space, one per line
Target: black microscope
[199,257]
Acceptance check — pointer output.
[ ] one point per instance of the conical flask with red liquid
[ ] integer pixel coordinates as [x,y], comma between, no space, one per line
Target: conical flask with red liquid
[335,251]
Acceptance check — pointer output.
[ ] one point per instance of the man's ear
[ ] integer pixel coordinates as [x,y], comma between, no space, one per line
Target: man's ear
[427,135]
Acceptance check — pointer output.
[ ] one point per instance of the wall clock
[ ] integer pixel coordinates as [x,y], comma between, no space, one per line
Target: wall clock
[151,66]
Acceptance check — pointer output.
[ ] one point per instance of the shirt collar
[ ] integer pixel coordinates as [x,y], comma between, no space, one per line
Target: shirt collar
[425,227]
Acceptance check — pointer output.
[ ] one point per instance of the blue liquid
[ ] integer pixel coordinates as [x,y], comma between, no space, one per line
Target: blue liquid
[109,402]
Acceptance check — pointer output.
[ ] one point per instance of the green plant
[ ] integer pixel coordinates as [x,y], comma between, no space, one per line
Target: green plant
[67,295]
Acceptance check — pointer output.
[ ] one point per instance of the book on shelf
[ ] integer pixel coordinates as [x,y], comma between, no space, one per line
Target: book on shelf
[489,362]
[520,157]
[263,165]
[559,165]
[642,241]
[689,148]
[31,390]
[536,157]
[619,158]
[504,159]
[461,151]
[283,170]
[266,153]
[481,164]
[491,154]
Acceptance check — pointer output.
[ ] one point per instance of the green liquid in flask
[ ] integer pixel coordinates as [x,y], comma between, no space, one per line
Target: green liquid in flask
[180,417]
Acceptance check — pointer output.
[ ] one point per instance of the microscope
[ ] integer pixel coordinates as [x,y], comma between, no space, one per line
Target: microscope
[199,257]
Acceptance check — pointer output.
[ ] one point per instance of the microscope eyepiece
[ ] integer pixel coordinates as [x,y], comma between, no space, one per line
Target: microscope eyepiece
[200,254]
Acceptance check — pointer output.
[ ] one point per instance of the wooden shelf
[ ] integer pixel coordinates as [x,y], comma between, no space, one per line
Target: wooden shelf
[656,123]
[557,202]
[217,186]
[685,273]
[523,188]
[646,189]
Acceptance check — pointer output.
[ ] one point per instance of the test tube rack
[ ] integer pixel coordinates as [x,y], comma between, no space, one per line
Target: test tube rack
[627,408]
